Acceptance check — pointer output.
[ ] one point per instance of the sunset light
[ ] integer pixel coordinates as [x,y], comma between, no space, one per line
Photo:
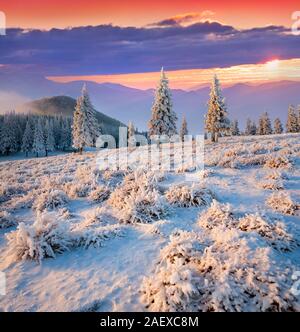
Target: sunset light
[273,64]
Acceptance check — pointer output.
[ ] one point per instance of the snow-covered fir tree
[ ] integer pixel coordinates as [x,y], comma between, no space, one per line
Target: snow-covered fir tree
[250,128]
[216,121]
[264,125]
[163,119]
[49,137]
[234,128]
[278,128]
[86,128]
[27,140]
[79,141]
[38,146]
[8,141]
[183,129]
[131,129]
[65,142]
[253,128]
[292,125]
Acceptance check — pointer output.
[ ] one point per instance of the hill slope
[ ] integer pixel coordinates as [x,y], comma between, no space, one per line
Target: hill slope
[64,105]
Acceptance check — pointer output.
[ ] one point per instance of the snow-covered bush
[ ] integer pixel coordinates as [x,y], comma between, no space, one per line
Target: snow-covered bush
[174,283]
[274,232]
[9,190]
[143,206]
[225,275]
[277,175]
[283,203]
[99,194]
[51,200]
[95,236]
[278,162]
[271,185]
[186,168]
[137,199]
[184,196]
[217,214]
[47,236]
[205,173]
[99,216]
[241,161]
[6,220]
[111,178]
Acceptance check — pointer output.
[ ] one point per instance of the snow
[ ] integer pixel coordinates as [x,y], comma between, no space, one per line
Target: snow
[74,237]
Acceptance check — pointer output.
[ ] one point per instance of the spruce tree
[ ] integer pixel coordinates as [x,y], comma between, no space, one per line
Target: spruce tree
[66,135]
[38,146]
[131,129]
[163,119]
[249,128]
[264,126]
[235,128]
[253,128]
[292,121]
[27,140]
[77,128]
[8,141]
[86,128]
[184,129]
[278,129]
[49,137]
[216,121]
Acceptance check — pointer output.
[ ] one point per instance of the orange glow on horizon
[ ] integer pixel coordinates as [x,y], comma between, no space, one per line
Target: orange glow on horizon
[274,70]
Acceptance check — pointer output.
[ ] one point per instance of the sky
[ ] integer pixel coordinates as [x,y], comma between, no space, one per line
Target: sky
[64,13]
[127,42]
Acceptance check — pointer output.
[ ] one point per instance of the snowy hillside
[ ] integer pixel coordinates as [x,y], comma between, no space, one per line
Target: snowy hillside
[75,238]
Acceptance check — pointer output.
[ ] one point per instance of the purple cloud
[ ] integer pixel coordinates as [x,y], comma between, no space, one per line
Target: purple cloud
[108,49]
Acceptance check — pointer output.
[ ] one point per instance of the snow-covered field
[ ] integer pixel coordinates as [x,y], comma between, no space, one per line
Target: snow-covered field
[74,238]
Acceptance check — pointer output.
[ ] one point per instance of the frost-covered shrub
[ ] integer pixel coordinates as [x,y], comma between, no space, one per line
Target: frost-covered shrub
[271,185]
[217,214]
[99,194]
[174,283]
[242,161]
[205,173]
[47,236]
[51,200]
[225,275]
[283,203]
[6,220]
[274,232]
[9,190]
[137,199]
[277,175]
[109,175]
[184,196]
[187,168]
[77,190]
[95,236]
[143,206]
[160,227]
[99,216]
[278,162]
[111,178]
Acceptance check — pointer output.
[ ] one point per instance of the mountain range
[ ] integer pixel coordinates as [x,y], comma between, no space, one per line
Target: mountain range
[129,104]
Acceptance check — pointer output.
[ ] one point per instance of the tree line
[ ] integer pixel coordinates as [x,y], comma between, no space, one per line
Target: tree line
[34,134]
